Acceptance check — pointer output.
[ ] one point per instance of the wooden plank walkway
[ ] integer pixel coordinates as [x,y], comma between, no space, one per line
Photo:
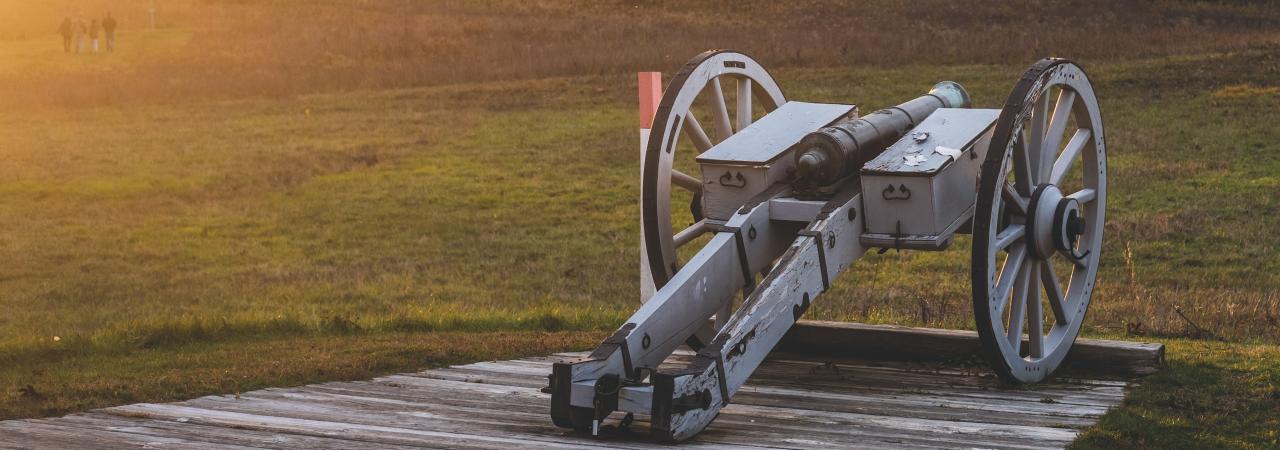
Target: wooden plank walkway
[793,401]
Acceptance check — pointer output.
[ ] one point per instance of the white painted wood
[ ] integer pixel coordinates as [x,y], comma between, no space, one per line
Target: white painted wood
[1035,137]
[692,232]
[699,75]
[719,111]
[743,103]
[1053,137]
[926,202]
[694,130]
[1069,154]
[768,139]
[348,430]
[753,159]
[953,128]
[687,302]
[791,209]
[686,181]
[1030,153]
[763,319]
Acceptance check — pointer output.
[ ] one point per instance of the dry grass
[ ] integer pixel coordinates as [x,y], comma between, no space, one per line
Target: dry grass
[150,188]
[211,187]
[78,381]
[1211,395]
[232,49]
[508,205]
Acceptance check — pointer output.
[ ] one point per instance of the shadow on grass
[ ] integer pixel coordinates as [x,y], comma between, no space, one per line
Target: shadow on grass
[1209,396]
[169,334]
[69,383]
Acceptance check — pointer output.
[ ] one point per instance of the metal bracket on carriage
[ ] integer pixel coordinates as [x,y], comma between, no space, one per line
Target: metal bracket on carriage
[730,180]
[902,193]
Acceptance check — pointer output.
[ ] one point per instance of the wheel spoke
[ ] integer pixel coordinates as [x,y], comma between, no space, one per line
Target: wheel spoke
[1049,277]
[1010,235]
[719,112]
[1069,154]
[1017,201]
[1018,312]
[1008,277]
[743,114]
[685,181]
[1057,125]
[1085,195]
[690,233]
[694,130]
[1035,137]
[1022,168]
[1035,311]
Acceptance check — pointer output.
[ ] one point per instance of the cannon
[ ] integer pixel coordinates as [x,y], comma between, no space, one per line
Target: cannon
[788,194]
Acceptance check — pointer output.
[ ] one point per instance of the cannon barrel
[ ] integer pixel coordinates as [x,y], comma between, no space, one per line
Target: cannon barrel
[834,151]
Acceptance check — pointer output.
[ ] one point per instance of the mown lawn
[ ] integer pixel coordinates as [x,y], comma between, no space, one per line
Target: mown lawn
[158,252]
[506,202]
[1211,395]
[75,379]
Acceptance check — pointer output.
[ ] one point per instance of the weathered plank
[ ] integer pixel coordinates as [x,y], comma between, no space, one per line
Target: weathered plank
[862,375]
[869,378]
[55,434]
[815,426]
[794,400]
[928,344]
[350,430]
[845,377]
[886,395]
[220,436]
[507,408]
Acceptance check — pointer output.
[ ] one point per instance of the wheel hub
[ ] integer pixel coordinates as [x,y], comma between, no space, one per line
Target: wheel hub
[1054,222]
[1068,225]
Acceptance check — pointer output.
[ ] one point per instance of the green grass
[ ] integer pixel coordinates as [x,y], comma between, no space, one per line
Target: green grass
[78,376]
[296,216]
[412,205]
[156,252]
[1211,395]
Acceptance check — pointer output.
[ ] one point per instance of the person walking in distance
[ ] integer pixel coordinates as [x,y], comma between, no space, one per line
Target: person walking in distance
[65,31]
[93,35]
[78,27]
[109,29]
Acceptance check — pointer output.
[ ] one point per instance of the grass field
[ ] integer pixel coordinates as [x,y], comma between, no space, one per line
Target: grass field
[182,218]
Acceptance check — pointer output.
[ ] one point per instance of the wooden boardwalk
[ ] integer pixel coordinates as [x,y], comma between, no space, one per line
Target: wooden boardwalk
[793,401]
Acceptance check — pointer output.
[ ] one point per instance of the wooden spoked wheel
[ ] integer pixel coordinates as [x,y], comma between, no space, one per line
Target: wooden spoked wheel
[1037,228]
[703,79]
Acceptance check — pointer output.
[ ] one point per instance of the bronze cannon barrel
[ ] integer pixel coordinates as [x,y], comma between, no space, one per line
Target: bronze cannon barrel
[837,150]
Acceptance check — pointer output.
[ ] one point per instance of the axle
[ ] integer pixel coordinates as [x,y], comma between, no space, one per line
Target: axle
[835,151]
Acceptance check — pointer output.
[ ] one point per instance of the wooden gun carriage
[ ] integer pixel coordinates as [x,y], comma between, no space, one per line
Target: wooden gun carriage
[790,193]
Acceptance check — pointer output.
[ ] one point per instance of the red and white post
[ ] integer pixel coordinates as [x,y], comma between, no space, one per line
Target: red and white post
[650,94]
